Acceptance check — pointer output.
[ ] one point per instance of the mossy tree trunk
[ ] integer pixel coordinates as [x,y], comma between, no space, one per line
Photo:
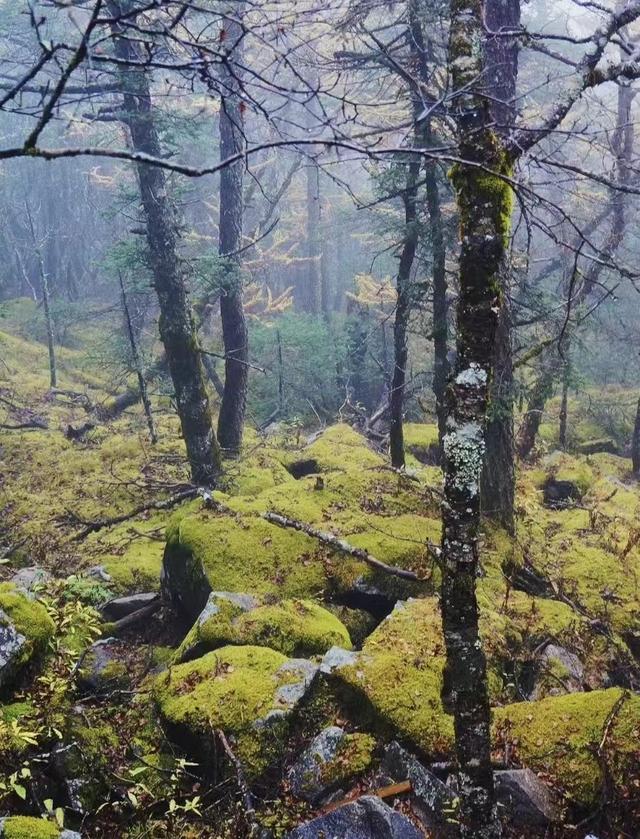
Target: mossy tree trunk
[484,201]
[177,327]
[234,325]
[539,395]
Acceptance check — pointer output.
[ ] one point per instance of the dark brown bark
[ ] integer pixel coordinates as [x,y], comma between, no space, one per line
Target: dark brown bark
[564,404]
[137,364]
[234,326]
[177,327]
[440,306]
[403,309]
[498,482]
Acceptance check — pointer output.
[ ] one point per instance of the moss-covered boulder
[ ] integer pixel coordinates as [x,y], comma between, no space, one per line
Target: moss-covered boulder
[25,630]
[396,680]
[362,502]
[249,692]
[580,740]
[299,628]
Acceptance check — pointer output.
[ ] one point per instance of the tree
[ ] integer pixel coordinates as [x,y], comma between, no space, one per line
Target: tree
[177,327]
[234,325]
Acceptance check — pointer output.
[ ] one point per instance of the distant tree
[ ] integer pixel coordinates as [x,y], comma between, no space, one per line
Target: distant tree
[177,327]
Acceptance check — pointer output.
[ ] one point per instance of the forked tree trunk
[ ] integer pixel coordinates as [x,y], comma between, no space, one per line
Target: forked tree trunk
[137,364]
[540,394]
[234,325]
[484,203]
[177,327]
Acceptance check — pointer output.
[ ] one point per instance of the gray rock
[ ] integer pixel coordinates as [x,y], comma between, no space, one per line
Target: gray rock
[337,657]
[524,799]
[70,834]
[28,578]
[121,607]
[292,694]
[100,670]
[99,573]
[305,776]
[432,799]
[12,647]
[568,670]
[245,602]
[366,818]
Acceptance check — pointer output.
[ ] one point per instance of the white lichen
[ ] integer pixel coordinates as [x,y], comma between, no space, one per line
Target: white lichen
[464,452]
[472,376]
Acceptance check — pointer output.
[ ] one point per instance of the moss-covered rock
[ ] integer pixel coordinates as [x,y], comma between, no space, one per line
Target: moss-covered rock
[369,506]
[293,627]
[248,692]
[396,681]
[25,630]
[575,739]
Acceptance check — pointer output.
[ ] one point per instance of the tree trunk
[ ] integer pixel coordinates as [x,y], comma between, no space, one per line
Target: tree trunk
[177,327]
[234,325]
[313,292]
[403,309]
[418,50]
[635,443]
[564,404]
[137,364]
[484,203]
[540,394]
[498,482]
[440,307]
[46,303]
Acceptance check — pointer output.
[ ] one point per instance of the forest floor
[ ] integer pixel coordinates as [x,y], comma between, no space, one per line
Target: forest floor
[219,667]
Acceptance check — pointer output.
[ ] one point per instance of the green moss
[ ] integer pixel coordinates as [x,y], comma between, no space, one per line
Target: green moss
[30,618]
[295,627]
[560,736]
[353,757]
[234,689]
[337,448]
[25,827]
[399,674]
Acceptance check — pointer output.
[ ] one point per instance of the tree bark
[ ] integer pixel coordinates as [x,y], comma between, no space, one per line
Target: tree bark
[403,309]
[46,303]
[234,324]
[538,397]
[484,204]
[635,443]
[498,482]
[313,291]
[137,364]
[177,327]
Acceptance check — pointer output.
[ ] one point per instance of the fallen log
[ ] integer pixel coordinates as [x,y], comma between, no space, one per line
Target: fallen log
[337,544]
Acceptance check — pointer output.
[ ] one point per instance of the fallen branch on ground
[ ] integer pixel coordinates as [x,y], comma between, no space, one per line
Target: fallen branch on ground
[100,524]
[243,786]
[340,545]
[24,426]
